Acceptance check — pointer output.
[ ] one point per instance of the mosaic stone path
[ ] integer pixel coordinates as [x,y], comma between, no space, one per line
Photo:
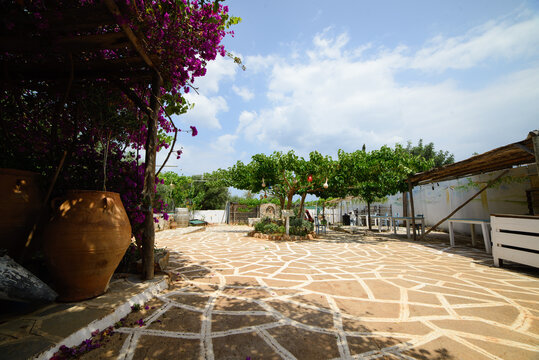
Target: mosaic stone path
[341,297]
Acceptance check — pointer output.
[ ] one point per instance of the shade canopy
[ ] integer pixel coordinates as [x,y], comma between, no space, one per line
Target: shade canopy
[504,157]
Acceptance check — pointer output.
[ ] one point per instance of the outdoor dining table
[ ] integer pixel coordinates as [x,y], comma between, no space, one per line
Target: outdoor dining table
[484,227]
[418,219]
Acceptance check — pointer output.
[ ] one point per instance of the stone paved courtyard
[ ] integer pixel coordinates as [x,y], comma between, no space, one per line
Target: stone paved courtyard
[340,297]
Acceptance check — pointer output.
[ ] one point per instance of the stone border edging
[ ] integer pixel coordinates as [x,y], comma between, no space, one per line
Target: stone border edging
[282,237]
[100,324]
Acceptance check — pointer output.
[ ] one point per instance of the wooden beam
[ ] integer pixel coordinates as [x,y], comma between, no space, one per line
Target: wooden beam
[465,203]
[61,44]
[410,188]
[148,236]
[83,18]
[79,18]
[535,141]
[112,40]
[128,67]
[132,96]
[135,41]
[525,148]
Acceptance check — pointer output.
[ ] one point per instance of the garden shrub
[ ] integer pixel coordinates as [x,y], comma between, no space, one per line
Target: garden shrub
[259,226]
[297,226]
[300,227]
[270,226]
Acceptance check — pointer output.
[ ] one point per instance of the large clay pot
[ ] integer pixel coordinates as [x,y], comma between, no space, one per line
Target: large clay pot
[85,241]
[20,203]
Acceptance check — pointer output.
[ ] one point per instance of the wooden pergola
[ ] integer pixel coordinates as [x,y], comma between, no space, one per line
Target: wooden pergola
[502,158]
[69,54]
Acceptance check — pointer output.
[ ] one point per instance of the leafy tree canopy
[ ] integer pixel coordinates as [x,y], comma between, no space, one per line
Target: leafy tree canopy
[440,158]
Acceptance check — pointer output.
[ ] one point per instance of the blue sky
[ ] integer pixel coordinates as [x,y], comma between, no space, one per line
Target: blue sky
[325,75]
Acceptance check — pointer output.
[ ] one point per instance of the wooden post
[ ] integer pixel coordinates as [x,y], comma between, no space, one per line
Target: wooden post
[410,188]
[472,233]
[369,215]
[404,206]
[148,236]
[535,140]
[466,202]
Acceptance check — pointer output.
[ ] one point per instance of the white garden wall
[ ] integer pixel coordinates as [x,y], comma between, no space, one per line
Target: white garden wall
[507,197]
[210,216]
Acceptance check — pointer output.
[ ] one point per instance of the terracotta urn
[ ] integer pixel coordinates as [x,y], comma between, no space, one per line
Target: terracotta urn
[20,203]
[85,241]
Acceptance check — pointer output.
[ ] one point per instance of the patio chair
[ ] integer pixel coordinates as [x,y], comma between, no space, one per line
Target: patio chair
[319,226]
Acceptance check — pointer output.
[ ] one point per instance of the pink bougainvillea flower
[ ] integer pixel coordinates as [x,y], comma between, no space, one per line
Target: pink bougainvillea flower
[194,131]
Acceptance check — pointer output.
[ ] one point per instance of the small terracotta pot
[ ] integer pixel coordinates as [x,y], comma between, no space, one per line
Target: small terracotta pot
[85,241]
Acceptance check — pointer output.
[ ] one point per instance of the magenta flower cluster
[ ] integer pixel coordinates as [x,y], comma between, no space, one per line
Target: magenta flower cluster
[183,35]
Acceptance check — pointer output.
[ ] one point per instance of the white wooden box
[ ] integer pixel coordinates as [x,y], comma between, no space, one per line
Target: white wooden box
[515,238]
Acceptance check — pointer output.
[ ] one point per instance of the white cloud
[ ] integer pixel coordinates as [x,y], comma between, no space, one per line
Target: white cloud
[243,92]
[490,41]
[205,112]
[198,159]
[217,70]
[225,143]
[257,63]
[326,47]
[207,105]
[338,100]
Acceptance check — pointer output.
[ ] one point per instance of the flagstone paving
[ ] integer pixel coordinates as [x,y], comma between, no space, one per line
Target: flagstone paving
[345,296]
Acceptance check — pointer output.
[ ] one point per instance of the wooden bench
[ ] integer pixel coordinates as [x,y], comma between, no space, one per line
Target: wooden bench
[515,238]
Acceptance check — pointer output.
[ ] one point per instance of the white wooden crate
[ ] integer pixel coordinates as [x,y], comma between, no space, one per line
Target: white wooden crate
[515,238]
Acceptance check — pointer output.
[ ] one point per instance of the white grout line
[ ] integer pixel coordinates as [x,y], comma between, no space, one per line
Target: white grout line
[129,347]
[404,310]
[101,324]
[342,342]
[205,330]
[278,348]
[161,333]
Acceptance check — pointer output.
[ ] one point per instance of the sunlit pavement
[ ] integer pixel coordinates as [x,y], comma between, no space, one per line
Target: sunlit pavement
[341,296]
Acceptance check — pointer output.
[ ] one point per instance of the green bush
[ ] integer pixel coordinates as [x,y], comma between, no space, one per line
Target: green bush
[269,226]
[300,227]
[297,226]
[259,226]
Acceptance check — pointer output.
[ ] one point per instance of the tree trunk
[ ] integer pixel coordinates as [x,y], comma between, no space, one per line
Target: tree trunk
[301,211]
[289,200]
[369,215]
[282,202]
[404,206]
[148,236]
